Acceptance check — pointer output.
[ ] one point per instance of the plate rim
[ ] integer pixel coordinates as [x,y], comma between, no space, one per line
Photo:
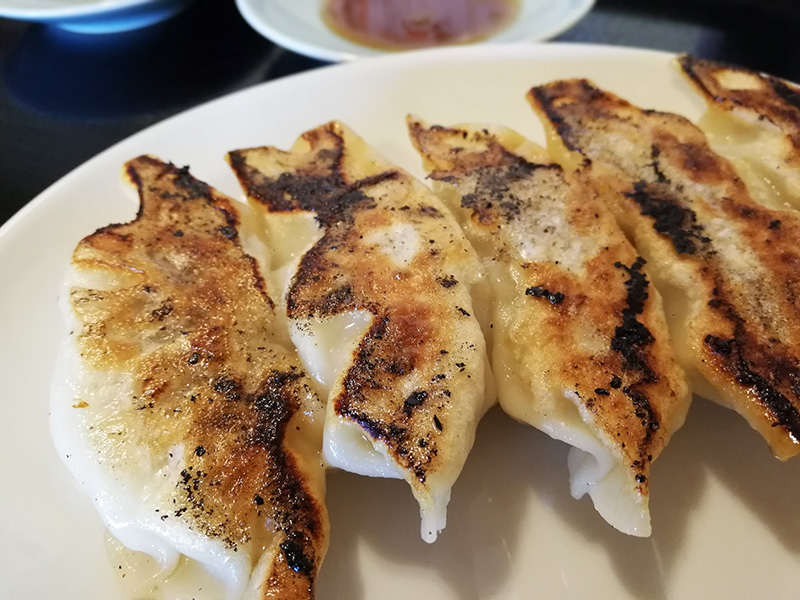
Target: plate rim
[54,198]
[485,51]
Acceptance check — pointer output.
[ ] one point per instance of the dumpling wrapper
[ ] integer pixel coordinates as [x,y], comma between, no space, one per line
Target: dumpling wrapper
[581,349]
[726,266]
[194,431]
[378,281]
[753,120]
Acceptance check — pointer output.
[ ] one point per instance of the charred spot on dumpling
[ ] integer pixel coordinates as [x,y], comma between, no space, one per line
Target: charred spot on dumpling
[291,191]
[743,358]
[276,393]
[539,291]
[228,387]
[339,299]
[293,548]
[643,409]
[193,188]
[229,232]
[447,281]
[429,211]
[493,199]
[631,337]
[319,187]
[655,152]
[161,313]
[719,345]
[670,218]
[414,400]
[341,205]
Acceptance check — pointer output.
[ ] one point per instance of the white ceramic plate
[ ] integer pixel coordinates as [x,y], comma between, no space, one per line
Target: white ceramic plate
[298,26]
[725,514]
[92,16]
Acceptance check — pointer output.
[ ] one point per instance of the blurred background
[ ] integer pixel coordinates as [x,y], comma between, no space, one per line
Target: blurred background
[66,96]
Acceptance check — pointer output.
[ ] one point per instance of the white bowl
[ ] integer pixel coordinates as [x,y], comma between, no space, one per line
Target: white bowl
[298,25]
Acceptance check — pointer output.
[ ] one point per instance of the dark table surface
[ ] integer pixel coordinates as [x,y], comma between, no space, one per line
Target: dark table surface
[65,97]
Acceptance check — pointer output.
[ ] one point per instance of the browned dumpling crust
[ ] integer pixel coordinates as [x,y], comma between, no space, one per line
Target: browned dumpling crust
[754,121]
[415,383]
[183,312]
[581,348]
[726,266]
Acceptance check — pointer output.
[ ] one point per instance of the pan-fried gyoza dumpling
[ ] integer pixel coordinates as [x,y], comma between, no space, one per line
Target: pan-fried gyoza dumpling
[754,121]
[194,431]
[378,279]
[580,344]
[726,266]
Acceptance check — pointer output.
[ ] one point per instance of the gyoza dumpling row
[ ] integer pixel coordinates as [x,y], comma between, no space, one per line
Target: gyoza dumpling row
[389,305]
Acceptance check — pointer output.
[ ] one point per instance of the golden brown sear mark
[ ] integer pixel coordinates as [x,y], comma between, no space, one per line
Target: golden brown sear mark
[726,262]
[187,317]
[735,88]
[319,187]
[565,278]
[754,120]
[389,248]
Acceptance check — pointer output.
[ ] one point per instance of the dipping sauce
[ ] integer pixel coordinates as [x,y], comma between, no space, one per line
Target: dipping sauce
[406,24]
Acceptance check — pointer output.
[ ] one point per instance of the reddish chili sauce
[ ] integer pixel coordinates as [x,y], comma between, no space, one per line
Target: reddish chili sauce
[405,24]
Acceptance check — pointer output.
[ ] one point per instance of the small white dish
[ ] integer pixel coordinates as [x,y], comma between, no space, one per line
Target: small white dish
[298,26]
[92,16]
